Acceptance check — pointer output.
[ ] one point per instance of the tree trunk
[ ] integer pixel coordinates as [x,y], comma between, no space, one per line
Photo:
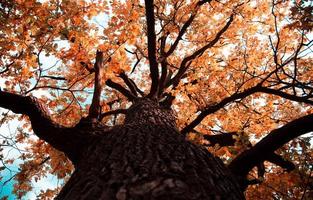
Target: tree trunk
[147,158]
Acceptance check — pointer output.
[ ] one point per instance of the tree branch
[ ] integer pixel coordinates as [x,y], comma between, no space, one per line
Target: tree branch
[262,151]
[286,95]
[163,65]
[258,88]
[226,139]
[7,67]
[187,60]
[223,139]
[280,161]
[95,107]
[185,27]
[59,137]
[121,89]
[130,84]
[213,108]
[154,70]
[54,77]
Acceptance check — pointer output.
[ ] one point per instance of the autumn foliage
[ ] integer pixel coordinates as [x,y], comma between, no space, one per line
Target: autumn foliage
[241,70]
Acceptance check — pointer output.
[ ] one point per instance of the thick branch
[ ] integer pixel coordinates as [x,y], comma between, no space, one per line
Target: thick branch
[223,139]
[226,139]
[137,88]
[95,107]
[280,161]
[59,137]
[130,84]
[121,89]
[154,70]
[163,66]
[245,161]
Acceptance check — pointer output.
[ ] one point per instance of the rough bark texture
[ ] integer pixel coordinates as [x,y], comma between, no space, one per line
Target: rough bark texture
[147,158]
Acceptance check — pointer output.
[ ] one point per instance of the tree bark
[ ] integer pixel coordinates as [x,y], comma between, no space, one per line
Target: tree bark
[147,158]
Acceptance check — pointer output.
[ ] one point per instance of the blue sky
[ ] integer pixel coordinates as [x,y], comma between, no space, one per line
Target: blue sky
[6,190]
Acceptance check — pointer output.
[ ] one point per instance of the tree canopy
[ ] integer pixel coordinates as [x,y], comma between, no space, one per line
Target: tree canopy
[238,75]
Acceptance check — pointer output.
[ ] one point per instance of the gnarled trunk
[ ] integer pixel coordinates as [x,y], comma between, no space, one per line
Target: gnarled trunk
[147,158]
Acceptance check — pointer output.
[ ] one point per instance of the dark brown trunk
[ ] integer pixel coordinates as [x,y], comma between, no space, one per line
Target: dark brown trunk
[147,158]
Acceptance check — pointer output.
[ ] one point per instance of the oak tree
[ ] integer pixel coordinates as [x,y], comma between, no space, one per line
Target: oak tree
[199,99]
